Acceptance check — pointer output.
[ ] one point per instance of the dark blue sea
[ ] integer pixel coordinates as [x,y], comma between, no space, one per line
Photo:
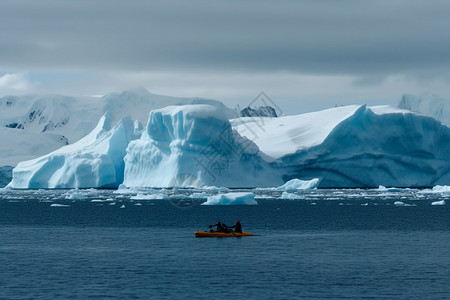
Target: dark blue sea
[327,244]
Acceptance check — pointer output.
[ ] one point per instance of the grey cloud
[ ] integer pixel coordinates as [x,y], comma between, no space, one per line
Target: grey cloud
[369,38]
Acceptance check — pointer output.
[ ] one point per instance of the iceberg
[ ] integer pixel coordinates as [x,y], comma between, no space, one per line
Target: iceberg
[238,198]
[436,190]
[441,189]
[297,184]
[95,161]
[355,146]
[441,202]
[194,146]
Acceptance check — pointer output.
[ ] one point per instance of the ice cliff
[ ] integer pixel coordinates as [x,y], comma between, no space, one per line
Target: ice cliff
[196,145]
[94,161]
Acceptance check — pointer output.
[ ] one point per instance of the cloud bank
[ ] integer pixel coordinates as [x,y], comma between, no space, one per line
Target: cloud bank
[367,41]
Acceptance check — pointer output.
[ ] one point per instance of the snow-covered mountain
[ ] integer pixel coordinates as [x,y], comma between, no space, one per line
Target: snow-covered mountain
[196,145]
[36,125]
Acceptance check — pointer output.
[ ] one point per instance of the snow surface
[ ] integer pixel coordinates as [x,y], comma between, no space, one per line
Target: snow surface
[278,137]
[240,198]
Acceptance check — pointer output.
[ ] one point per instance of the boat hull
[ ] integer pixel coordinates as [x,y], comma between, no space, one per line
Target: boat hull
[221,234]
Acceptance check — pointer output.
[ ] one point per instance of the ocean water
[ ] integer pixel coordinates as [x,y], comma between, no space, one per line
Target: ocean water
[327,244]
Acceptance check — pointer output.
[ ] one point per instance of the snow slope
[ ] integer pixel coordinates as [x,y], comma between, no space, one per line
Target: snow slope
[94,161]
[281,136]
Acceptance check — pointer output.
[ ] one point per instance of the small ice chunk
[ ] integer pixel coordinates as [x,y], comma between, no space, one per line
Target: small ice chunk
[382,188]
[442,202]
[75,195]
[123,206]
[216,189]
[59,205]
[201,195]
[238,198]
[400,203]
[291,196]
[297,184]
[150,197]
[441,189]
[437,189]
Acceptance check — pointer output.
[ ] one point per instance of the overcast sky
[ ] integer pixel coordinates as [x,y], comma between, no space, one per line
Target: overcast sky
[305,55]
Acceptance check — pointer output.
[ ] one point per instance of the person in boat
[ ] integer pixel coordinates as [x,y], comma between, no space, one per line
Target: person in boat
[219,227]
[237,227]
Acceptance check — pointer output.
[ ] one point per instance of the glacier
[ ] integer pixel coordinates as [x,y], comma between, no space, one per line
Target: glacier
[197,145]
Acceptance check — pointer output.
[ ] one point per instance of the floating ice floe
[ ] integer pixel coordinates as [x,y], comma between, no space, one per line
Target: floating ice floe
[441,189]
[291,196]
[391,189]
[239,198]
[442,202]
[297,184]
[150,197]
[437,189]
[400,203]
[59,205]
[75,195]
[202,195]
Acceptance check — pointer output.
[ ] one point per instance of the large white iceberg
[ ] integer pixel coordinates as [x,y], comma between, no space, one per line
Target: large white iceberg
[94,161]
[356,146]
[194,145]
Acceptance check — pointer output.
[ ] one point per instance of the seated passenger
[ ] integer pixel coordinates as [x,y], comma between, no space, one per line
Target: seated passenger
[220,227]
[237,227]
